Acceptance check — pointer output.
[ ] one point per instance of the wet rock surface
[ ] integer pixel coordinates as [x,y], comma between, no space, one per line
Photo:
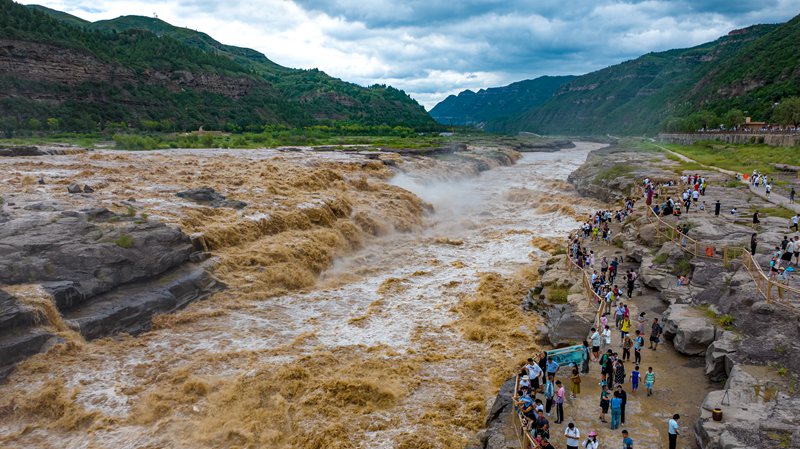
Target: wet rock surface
[103,272]
[210,197]
[499,419]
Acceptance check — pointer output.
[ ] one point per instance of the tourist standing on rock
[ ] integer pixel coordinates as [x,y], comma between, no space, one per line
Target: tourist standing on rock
[591,442]
[619,372]
[753,243]
[649,380]
[797,249]
[618,312]
[604,402]
[635,378]
[769,189]
[616,411]
[627,442]
[642,323]
[655,334]
[586,356]
[631,278]
[627,344]
[573,436]
[717,207]
[552,368]
[549,394]
[533,374]
[624,329]
[795,221]
[755,218]
[673,431]
[788,252]
[606,337]
[791,197]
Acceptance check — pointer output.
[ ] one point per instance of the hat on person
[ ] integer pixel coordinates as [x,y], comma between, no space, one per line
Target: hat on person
[525,377]
[592,433]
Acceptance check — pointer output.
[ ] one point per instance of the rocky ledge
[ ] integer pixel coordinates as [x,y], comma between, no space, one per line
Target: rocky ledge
[748,343]
[91,271]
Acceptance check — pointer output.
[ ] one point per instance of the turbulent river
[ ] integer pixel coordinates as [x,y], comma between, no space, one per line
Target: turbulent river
[400,343]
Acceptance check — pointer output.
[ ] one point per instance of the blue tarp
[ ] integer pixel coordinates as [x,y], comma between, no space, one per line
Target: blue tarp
[569,356]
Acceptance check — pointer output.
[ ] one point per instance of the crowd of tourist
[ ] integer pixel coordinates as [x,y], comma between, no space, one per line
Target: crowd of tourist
[541,388]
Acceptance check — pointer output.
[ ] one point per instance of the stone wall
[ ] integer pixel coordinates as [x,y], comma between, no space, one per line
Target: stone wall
[776,140]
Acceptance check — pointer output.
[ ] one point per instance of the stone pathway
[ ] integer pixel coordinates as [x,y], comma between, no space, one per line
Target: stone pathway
[680,383]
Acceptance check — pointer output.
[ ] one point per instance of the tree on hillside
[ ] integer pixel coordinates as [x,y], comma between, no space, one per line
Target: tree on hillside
[787,113]
[733,118]
[704,119]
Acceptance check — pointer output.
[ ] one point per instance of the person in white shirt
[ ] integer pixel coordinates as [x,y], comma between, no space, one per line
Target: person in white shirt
[534,371]
[673,431]
[606,338]
[595,339]
[573,436]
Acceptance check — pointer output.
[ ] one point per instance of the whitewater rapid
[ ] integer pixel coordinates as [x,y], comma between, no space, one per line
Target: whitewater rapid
[399,294]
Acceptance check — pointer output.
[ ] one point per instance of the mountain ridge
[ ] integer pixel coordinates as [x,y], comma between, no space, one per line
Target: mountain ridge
[88,76]
[749,68]
[476,108]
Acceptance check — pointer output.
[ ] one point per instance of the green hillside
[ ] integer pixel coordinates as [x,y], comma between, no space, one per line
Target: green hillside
[749,69]
[761,74]
[245,56]
[60,15]
[497,103]
[144,73]
[634,97]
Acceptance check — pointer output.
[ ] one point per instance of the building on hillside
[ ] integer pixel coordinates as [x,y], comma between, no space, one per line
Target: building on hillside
[750,125]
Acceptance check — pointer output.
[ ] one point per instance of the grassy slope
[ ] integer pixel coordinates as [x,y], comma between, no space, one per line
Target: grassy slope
[739,158]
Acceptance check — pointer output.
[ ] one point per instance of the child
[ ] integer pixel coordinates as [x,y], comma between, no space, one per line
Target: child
[574,384]
[649,380]
[635,378]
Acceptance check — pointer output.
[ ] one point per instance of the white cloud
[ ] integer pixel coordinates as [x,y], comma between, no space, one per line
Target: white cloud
[433,48]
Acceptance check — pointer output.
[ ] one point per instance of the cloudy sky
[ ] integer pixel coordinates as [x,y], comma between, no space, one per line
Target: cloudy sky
[433,48]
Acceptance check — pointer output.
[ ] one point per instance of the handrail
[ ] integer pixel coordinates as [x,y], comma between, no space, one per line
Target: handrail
[675,235]
[762,282]
[524,437]
[591,295]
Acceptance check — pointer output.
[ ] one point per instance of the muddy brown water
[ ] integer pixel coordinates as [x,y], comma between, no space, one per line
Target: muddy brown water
[400,342]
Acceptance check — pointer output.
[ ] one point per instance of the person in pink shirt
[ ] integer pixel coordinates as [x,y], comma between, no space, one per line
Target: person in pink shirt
[561,395]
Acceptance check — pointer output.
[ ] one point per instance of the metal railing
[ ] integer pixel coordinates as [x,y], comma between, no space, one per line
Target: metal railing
[762,282]
[591,295]
[526,441]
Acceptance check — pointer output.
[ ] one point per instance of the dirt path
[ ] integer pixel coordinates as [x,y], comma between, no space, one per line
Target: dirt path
[773,198]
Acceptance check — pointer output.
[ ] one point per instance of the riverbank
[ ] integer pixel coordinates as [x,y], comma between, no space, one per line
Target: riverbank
[746,343]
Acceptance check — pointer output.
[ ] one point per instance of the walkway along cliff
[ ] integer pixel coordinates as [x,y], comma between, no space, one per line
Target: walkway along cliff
[730,313]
